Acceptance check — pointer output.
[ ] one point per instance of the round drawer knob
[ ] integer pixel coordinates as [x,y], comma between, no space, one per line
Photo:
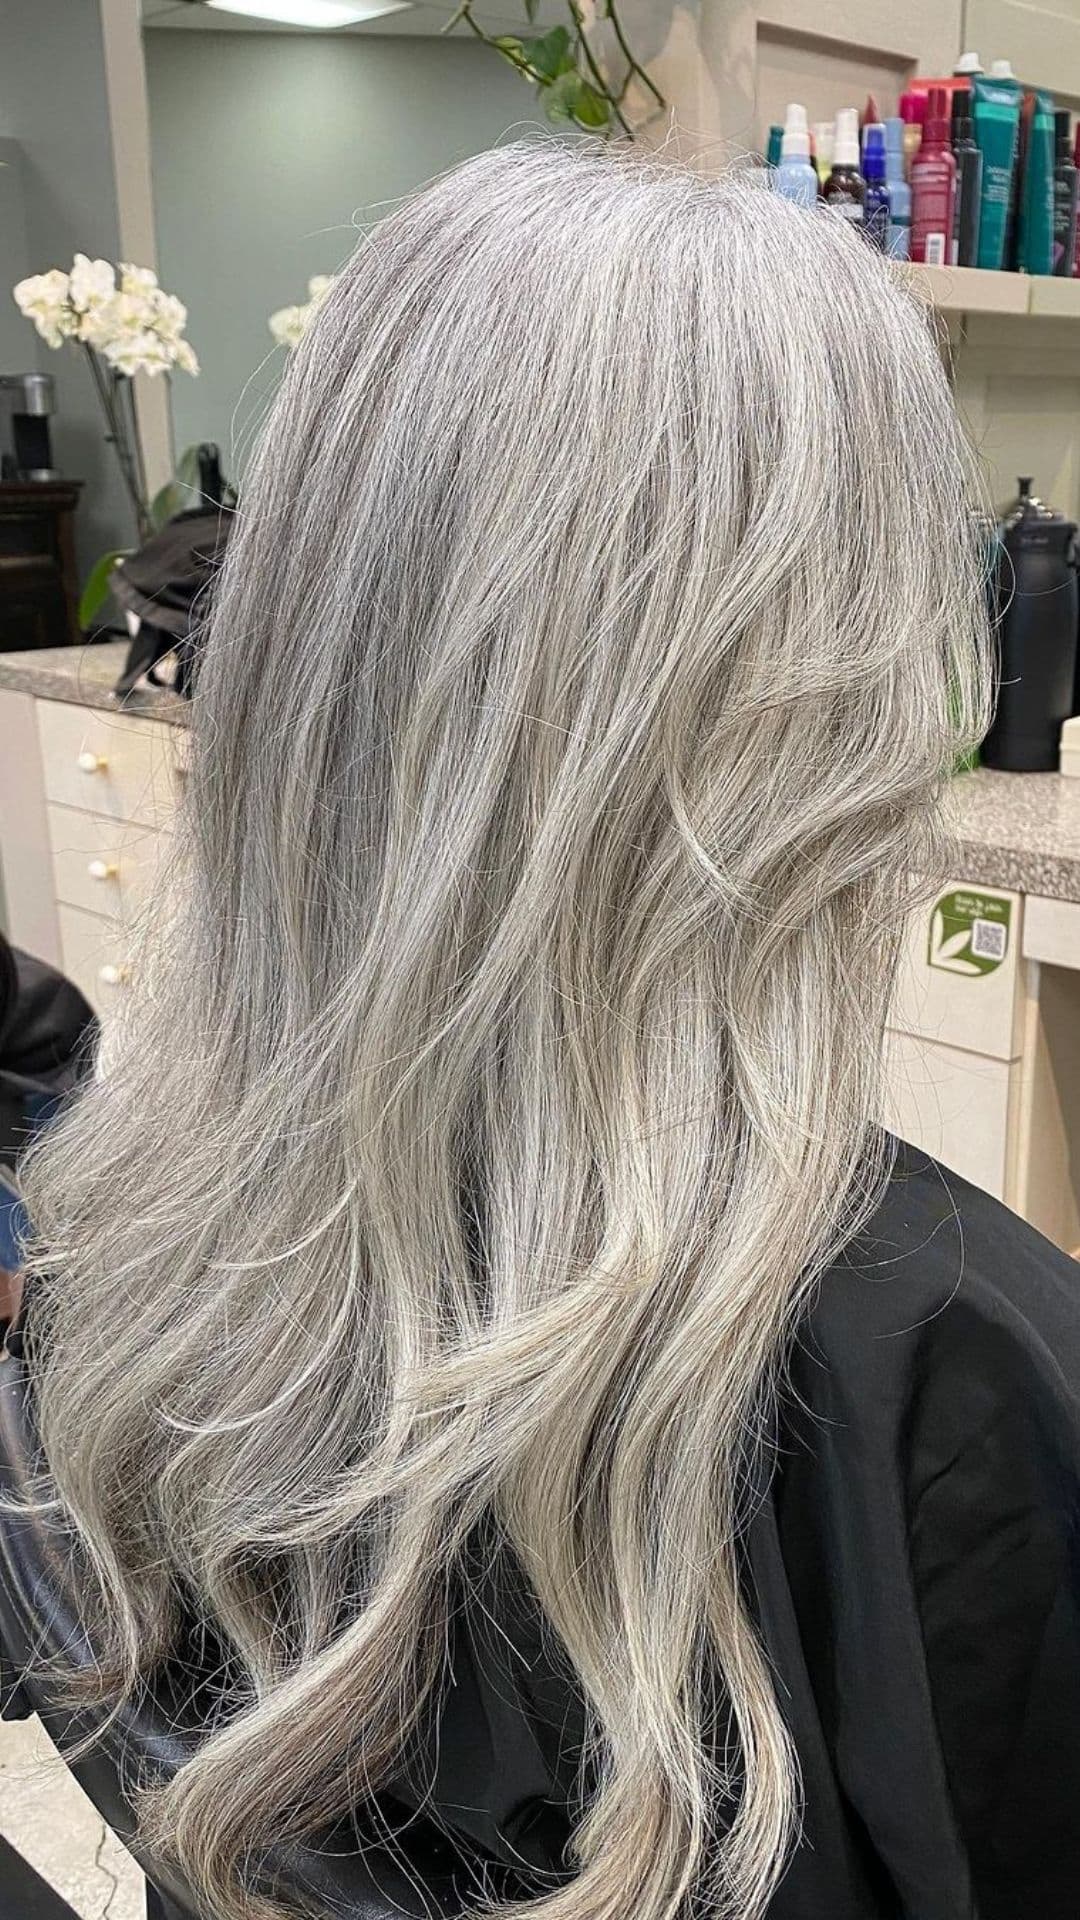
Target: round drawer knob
[112,976]
[103,869]
[92,762]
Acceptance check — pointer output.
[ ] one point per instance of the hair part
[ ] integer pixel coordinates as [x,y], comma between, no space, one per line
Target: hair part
[600,624]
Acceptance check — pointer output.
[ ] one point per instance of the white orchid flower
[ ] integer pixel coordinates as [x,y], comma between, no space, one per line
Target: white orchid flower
[169,315]
[96,326]
[137,279]
[289,324]
[91,283]
[139,352]
[130,320]
[43,298]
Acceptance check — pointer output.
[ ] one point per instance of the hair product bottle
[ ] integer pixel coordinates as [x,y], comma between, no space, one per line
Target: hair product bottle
[824,140]
[772,150]
[1035,229]
[795,178]
[845,188]
[933,187]
[876,201]
[997,126]
[1066,187]
[898,243]
[1076,164]
[913,114]
[969,166]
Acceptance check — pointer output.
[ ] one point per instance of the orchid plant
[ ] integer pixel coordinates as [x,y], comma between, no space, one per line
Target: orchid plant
[289,324]
[125,323]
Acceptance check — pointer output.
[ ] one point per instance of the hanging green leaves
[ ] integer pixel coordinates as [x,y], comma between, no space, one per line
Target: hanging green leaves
[564,67]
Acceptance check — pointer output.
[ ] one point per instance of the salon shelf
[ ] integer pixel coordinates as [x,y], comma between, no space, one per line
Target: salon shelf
[974,289]
[1057,299]
[959,290]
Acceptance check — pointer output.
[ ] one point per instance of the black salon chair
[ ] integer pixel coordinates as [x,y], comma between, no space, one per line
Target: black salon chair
[347,1877]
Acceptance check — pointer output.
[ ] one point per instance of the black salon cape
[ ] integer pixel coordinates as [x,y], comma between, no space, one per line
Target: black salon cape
[915,1570]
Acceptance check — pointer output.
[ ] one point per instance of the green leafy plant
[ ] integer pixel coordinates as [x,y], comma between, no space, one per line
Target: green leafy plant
[572,82]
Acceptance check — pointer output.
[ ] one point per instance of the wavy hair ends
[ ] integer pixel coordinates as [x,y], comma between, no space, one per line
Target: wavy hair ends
[602,620]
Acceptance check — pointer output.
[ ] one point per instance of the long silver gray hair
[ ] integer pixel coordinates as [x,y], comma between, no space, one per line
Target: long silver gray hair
[601,623]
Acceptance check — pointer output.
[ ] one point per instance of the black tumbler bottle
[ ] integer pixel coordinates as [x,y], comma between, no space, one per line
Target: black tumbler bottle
[1036,637]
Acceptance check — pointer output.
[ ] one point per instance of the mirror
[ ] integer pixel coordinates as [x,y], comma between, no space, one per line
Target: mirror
[270,148]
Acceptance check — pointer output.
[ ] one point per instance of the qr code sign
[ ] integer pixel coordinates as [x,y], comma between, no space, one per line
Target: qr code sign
[988,939]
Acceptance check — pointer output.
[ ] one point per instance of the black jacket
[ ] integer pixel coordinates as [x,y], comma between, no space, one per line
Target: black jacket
[915,1570]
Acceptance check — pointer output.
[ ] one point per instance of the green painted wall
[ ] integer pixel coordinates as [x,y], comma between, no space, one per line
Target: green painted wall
[53,103]
[266,149]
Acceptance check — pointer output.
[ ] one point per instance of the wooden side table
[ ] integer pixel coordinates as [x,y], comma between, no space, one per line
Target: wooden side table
[39,592]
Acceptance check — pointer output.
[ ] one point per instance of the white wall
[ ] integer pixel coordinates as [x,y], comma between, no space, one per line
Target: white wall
[266,148]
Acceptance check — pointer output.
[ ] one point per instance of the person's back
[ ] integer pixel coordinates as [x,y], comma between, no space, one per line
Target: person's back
[602,621]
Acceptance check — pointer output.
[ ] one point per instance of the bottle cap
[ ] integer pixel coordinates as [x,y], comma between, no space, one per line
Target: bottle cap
[1063,132]
[846,143]
[772,151]
[1001,70]
[874,151]
[968,63]
[913,109]
[795,144]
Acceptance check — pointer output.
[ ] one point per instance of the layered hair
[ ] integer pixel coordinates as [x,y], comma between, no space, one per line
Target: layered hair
[600,625]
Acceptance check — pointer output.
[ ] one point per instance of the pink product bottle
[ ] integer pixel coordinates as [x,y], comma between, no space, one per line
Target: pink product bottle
[933,186]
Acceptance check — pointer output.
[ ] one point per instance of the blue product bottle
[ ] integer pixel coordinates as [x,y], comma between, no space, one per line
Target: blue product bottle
[876,205]
[898,244]
[795,177]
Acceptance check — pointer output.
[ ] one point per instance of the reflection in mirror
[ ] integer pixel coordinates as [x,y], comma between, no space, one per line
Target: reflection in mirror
[269,149]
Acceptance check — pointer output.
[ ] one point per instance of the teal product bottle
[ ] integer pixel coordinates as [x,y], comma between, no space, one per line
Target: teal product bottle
[898,239]
[996,104]
[1035,241]
[795,176]
[876,202]
[772,151]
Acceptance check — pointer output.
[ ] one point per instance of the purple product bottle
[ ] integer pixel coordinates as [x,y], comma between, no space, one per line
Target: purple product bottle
[876,205]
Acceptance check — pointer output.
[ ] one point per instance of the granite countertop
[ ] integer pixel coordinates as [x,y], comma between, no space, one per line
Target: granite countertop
[86,676]
[1016,830]
[1019,830]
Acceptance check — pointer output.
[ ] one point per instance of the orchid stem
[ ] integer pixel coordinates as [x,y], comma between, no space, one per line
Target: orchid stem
[117,435]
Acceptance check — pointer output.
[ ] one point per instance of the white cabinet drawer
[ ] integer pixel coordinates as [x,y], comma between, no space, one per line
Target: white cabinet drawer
[954,1105]
[108,763]
[96,956]
[104,866]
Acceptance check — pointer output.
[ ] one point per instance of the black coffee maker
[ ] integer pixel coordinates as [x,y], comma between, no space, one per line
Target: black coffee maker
[27,400]
[1035,593]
